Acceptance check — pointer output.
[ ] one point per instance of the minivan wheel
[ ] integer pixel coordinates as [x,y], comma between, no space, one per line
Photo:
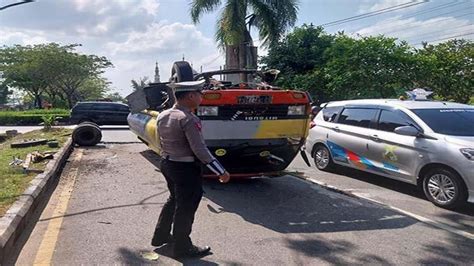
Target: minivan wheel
[322,158]
[444,188]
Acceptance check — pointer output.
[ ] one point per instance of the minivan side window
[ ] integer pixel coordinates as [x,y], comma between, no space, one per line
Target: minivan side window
[389,120]
[359,117]
[330,113]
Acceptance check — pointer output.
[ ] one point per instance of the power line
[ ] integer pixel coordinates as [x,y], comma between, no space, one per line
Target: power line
[447,13]
[397,28]
[417,40]
[433,32]
[15,4]
[374,13]
[451,37]
[436,8]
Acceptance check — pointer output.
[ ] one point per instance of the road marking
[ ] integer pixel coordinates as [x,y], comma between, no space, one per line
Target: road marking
[46,249]
[412,215]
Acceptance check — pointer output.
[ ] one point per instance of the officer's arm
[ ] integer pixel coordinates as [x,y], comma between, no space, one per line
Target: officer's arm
[192,130]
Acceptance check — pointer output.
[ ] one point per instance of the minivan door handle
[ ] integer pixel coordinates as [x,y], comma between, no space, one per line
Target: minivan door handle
[336,129]
[375,138]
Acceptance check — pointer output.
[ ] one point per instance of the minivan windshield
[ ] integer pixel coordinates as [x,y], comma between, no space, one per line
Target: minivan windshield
[454,122]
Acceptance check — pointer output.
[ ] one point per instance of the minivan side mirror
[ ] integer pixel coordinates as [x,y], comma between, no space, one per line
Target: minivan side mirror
[407,131]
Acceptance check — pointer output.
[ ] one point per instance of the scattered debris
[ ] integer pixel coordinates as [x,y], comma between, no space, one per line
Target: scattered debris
[53,144]
[28,143]
[11,133]
[38,156]
[16,162]
[153,256]
[32,157]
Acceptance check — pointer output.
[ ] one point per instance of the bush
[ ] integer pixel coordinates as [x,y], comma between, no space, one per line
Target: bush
[31,117]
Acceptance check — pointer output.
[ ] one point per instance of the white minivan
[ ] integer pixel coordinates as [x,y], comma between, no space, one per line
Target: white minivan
[426,143]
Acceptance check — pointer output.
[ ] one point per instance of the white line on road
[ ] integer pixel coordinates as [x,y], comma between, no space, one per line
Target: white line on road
[412,215]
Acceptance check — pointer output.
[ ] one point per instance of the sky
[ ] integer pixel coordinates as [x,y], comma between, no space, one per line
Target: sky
[134,34]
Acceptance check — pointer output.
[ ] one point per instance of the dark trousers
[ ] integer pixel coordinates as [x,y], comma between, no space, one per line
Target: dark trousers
[185,186]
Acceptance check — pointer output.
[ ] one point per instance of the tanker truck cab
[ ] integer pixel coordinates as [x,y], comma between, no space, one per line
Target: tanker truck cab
[252,128]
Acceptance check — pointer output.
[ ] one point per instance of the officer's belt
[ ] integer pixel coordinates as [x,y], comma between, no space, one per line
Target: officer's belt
[183,159]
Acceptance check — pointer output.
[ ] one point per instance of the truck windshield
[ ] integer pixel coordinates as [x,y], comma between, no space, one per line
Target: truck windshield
[454,122]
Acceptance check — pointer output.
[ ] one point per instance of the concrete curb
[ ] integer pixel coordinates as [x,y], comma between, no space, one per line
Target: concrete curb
[21,212]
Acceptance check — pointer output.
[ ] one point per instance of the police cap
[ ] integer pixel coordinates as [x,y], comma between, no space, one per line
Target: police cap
[186,86]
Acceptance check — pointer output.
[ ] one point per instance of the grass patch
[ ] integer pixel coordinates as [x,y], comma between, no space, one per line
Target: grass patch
[31,117]
[13,181]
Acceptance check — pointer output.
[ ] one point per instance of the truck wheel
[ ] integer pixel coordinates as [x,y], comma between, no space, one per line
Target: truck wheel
[86,134]
[444,188]
[181,71]
[322,158]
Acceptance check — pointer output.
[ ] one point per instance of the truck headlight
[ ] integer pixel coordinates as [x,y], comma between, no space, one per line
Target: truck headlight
[468,153]
[207,111]
[296,110]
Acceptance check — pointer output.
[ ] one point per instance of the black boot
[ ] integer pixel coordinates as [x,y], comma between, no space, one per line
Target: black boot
[193,251]
[156,242]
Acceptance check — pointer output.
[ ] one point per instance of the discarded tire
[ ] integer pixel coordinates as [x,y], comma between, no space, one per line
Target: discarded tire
[87,134]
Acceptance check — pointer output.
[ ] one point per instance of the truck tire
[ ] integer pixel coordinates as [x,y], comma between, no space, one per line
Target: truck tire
[181,71]
[86,134]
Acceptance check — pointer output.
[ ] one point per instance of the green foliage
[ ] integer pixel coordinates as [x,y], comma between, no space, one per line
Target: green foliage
[48,121]
[13,181]
[52,70]
[31,117]
[339,67]
[115,97]
[448,69]
[370,67]
[140,84]
[271,18]
[4,92]
[300,58]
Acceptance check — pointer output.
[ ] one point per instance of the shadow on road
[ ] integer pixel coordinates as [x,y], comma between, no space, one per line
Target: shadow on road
[286,206]
[399,186]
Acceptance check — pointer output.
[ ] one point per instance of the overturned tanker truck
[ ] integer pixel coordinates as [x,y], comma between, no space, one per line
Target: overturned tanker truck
[252,128]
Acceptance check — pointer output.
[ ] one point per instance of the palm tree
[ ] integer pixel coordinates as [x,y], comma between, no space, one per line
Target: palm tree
[142,83]
[271,17]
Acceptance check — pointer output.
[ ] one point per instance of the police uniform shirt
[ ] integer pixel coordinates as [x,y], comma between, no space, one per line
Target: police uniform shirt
[181,138]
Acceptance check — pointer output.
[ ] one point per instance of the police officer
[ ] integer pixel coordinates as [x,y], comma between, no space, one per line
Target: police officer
[182,151]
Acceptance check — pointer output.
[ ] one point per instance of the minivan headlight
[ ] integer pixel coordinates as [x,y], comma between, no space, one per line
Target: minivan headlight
[468,153]
[296,110]
[207,111]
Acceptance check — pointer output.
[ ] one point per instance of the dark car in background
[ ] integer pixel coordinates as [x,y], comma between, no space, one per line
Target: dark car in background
[101,113]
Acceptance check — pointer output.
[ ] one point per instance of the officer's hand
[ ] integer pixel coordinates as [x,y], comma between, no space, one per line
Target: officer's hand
[225,177]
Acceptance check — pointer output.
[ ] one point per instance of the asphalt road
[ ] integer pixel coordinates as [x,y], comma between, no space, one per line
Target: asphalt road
[114,193]
[393,193]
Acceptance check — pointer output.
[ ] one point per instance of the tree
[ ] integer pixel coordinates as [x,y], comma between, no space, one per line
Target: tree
[300,58]
[72,70]
[115,97]
[140,84]
[51,69]
[370,67]
[93,89]
[22,67]
[4,92]
[271,17]
[448,69]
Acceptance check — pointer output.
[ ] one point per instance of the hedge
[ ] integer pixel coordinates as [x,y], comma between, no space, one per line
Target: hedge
[30,117]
